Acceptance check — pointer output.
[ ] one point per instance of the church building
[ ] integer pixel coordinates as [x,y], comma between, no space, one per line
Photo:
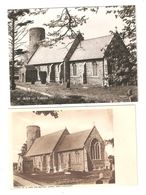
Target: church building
[79,61]
[61,151]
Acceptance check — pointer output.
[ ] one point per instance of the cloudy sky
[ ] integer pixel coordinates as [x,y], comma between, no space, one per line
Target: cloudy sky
[74,120]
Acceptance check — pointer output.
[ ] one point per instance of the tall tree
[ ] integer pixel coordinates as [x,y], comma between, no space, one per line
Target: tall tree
[17,30]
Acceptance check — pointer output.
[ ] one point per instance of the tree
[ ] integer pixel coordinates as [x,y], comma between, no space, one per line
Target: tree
[109,141]
[110,157]
[17,30]
[46,113]
[23,149]
[111,160]
[119,66]
[127,14]
[66,23]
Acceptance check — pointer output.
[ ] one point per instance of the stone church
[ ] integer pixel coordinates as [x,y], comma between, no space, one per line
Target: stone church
[61,151]
[78,61]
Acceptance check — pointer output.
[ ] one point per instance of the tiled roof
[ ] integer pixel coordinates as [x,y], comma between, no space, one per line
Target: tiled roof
[87,49]
[45,144]
[74,141]
[50,54]
[91,48]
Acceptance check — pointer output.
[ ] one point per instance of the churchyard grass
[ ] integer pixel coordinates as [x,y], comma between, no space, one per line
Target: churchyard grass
[59,94]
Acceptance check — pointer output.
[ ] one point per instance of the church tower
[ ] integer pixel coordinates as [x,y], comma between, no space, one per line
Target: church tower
[36,35]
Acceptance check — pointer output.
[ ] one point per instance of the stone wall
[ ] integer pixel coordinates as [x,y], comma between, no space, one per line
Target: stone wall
[41,163]
[71,160]
[90,78]
[98,163]
[56,165]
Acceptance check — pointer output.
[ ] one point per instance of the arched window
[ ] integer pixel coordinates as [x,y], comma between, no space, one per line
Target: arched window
[94,66]
[74,66]
[95,149]
[77,156]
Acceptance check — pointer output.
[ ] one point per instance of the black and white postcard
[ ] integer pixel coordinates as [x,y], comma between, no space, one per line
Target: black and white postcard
[72,55]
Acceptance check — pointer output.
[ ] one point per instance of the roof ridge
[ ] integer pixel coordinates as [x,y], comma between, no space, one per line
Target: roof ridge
[97,37]
[51,133]
[80,131]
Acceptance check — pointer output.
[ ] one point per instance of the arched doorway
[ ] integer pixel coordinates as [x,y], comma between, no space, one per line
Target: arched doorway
[43,76]
[52,74]
[22,77]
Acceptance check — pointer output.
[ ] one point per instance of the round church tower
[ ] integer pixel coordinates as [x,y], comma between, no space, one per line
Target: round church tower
[33,132]
[35,35]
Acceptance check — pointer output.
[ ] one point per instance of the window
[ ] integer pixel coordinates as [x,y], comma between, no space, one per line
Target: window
[77,154]
[74,69]
[94,66]
[95,149]
[61,157]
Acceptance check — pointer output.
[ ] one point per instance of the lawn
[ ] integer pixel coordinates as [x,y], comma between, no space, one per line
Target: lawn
[59,94]
[47,179]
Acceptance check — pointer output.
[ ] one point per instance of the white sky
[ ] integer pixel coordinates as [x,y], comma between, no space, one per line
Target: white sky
[74,120]
[97,25]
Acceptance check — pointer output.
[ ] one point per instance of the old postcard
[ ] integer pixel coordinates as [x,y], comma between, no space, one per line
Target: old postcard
[73,146]
[72,55]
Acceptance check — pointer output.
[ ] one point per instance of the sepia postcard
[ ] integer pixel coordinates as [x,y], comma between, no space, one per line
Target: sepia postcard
[73,146]
[72,55]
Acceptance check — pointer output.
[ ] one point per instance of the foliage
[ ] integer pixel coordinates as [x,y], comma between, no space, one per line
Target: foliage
[46,113]
[111,159]
[66,23]
[24,149]
[119,66]
[17,30]
[127,14]
[110,141]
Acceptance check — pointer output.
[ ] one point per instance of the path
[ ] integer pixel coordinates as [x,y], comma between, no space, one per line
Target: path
[25,182]
[33,90]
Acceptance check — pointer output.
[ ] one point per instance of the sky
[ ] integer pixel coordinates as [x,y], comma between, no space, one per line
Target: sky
[73,120]
[97,25]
